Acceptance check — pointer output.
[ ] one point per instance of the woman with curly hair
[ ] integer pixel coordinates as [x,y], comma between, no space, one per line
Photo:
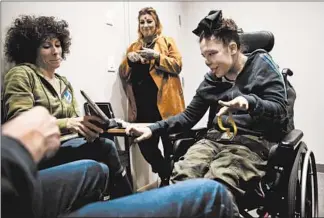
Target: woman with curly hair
[37,45]
[150,76]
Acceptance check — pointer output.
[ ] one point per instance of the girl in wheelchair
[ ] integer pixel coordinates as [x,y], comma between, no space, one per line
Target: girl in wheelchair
[247,85]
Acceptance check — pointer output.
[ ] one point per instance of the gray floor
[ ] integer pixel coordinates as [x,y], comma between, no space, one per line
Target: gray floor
[321,194]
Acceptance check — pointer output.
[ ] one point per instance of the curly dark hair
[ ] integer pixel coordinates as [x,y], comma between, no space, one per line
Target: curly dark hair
[28,32]
[227,32]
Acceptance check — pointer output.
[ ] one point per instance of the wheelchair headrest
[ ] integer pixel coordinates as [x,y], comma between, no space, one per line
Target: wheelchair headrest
[252,41]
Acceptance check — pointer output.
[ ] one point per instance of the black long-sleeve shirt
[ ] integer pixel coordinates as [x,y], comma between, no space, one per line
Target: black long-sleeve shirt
[20,190]
[260,82]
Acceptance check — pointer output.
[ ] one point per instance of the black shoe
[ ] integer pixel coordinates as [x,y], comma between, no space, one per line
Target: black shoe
[121,186]
[164,182]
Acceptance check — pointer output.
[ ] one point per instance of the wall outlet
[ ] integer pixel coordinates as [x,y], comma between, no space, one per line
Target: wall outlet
[111,65]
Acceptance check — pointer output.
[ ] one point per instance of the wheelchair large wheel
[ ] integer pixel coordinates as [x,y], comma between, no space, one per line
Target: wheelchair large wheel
[309,187]
[302,199]
[294,184]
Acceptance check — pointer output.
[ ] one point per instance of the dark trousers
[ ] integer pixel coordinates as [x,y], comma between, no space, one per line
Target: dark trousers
[149,148]
[160,164]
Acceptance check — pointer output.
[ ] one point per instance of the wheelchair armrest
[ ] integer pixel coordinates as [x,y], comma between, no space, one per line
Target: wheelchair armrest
[281,156]
[192,133]
[292,138]
[178,135]
[181,146]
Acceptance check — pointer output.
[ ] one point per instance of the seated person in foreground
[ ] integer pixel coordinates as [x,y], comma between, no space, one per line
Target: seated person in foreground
[76,188]
[37,45]
[248,85]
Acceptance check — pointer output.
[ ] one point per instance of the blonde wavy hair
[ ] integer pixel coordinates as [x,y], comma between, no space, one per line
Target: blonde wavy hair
[151,11]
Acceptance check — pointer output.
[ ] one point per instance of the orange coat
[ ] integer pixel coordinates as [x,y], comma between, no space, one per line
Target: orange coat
[170,100]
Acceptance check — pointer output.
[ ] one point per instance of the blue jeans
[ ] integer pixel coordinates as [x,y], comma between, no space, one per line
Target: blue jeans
[68,188]
[101,150]
[192,198]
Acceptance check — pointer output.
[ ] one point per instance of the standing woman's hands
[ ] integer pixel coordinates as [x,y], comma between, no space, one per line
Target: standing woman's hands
[148,53]
[135,57]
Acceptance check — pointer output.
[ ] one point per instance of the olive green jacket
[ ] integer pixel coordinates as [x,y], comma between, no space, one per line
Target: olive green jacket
[25,87]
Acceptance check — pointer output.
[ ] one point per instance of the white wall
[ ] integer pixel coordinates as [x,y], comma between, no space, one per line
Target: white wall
[299,34]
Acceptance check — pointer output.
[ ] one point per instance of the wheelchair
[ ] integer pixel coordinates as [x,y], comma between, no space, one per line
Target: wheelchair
[290,183]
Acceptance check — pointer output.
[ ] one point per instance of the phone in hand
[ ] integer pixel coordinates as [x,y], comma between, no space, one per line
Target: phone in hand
[96,111]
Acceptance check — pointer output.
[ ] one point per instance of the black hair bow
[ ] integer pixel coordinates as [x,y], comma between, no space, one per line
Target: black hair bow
[210,23]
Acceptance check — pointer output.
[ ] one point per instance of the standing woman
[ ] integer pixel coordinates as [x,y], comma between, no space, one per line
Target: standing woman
[150,76]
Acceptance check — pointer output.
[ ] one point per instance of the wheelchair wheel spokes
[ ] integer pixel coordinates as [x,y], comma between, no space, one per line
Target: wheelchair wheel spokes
[305,200]
[309,191]
[294,184]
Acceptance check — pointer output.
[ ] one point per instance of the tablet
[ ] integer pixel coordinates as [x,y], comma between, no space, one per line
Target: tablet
[95,108]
